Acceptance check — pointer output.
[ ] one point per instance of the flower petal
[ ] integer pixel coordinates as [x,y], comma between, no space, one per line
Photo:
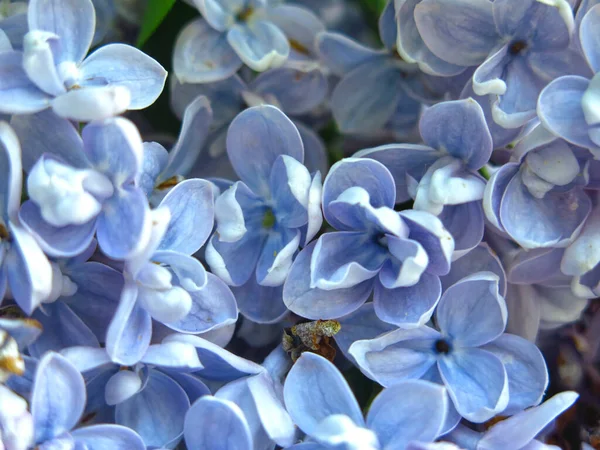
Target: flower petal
[459,32]
[203,55]
[92,103]
[191,204]
[459,128]
[477,383]
[73,21]
[115,437]
[314,389]
[409,306]
[420,418]
[58,397]
[265,133]
[472,311]
[124,65]
[160,397]
[213,422]
[315,303]
[260,44]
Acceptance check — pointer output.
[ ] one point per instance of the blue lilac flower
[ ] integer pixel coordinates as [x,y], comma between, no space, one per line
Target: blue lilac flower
[81,186]
[515,61]
[398,256]
[275,208]
[323,406]
[57,402]
[13,21]
[568,106]
[23,266]
[441,176]
[52,71]
[232,32]
[544,181]
[485,370]
[163,282]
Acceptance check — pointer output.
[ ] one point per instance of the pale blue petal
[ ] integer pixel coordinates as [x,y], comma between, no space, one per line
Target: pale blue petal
[315,154]
[216,424]
[191,205]
[122,386]
[459,32]
[535,266]
[471,311]
[38,61]
[526,370]
[421,417]
[341,54]
[265,133]
[58,397]
[314,389]
[123,225]
[197,120]
[60,242]
[559,109]
[161,397]
[466,224]
[477,383]
[365,99]
[115,147]
[553,221]
[45,132]
[124,65]
[104,437]
[259,44]
[27,269]
[128,335]
[521,429]
[155,160]
[459,128]
[411,46]
[203,55]
[18,95]
[219,13]
[179,356]
[219,364]
[397,355]
[72,20]
[213,306]
[314,303]
[494,192]
[409,306]
[590,42]
[10,167]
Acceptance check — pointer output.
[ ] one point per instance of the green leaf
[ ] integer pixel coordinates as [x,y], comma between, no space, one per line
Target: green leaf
[156,11]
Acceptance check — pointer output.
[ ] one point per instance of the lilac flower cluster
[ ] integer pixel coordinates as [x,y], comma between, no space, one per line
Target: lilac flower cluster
[215,296]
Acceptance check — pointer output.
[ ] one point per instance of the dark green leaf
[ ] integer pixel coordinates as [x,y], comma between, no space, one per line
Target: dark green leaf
[155,13]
